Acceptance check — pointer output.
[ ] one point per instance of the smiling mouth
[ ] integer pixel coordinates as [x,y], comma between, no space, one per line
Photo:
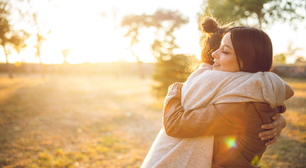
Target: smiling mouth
[216,64]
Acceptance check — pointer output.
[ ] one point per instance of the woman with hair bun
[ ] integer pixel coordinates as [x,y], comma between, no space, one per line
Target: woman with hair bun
[214,118]
[212,40]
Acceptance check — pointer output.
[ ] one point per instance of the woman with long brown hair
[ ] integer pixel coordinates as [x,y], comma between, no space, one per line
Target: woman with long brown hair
[210,104]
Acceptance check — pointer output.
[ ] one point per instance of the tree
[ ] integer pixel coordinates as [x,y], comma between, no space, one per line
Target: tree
[40,30]
[263,12]
[10,39]
[134,23]
[65,53]
[300,60]
[169,66]
[279,58]
[41,33]
[290,52]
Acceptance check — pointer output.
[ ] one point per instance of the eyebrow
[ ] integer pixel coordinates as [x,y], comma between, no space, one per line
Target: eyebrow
[226,45]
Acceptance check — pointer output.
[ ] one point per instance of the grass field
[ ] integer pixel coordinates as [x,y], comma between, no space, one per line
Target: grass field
[70,121]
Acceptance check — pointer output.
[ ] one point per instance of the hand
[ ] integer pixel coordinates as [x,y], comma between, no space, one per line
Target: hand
[274,129]
[175,86]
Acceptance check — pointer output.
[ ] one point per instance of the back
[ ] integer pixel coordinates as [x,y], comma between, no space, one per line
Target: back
[245,148]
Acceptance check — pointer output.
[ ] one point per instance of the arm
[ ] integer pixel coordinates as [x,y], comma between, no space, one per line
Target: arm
[274,129]
[209,120]
[202,121]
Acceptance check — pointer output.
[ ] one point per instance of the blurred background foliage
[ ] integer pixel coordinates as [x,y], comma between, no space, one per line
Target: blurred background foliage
[170,66]
[262,13]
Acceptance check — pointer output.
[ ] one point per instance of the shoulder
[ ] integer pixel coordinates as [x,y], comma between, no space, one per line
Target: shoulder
[247,111]
[231,108]
[242,107]
[262,107]
[205,65]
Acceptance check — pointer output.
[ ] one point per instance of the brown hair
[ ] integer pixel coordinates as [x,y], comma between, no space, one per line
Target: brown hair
[253,48]
[212,39]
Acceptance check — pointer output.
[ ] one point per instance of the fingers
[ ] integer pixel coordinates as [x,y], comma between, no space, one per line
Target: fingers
[272,141]
[273,129]
[275,117]
[175,86]
[270,136]
[272,125]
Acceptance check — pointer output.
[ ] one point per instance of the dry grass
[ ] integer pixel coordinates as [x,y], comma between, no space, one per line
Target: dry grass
[66,121]
[70,121]
[289,151]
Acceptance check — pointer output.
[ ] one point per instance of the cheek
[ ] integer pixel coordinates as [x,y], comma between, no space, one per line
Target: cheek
[233,59]
[231,64]
[235,64]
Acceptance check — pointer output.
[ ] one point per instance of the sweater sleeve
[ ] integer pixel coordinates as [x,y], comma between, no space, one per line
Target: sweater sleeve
[220,119]
[273,89]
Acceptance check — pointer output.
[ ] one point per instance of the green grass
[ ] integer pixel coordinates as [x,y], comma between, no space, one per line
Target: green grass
[100,121]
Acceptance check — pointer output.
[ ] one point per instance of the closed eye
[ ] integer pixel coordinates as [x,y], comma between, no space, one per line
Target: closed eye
[225,52]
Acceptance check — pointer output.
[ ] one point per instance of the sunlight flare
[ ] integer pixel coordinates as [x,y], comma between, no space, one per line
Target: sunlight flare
[230,142]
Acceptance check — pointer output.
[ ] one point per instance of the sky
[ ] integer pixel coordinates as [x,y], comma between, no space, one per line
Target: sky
[80,26]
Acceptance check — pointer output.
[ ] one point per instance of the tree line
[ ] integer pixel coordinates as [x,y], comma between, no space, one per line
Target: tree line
[170,65]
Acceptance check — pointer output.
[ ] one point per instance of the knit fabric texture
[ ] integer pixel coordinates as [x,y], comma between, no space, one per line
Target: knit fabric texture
[202,88]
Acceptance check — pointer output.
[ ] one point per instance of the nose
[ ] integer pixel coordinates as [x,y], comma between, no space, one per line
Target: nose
[215,54]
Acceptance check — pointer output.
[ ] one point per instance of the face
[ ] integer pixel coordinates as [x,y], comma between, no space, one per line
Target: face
[225,57]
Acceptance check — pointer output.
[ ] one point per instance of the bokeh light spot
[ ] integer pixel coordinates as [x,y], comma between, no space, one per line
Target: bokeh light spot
[255,161]
[230,142]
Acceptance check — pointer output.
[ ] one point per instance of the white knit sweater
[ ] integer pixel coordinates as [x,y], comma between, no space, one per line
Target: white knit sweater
[202,88]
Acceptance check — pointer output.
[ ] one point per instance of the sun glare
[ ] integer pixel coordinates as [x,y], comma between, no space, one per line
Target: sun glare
[89,36]
[91,33]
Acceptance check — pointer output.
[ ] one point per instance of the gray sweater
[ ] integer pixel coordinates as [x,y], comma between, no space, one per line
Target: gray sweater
[202,88]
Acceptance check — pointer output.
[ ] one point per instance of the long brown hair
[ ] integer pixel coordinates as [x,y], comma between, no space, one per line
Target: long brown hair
[253,48]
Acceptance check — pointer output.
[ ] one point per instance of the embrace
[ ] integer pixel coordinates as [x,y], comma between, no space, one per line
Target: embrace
[228,110]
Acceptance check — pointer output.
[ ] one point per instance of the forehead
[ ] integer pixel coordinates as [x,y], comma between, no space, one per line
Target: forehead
[227,39]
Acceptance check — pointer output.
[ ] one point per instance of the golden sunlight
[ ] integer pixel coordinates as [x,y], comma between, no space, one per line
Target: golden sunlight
[93,34]
[85,83]
[86,31]
[89,36]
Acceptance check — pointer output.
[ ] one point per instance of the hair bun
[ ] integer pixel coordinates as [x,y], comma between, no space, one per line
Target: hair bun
[209,25]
